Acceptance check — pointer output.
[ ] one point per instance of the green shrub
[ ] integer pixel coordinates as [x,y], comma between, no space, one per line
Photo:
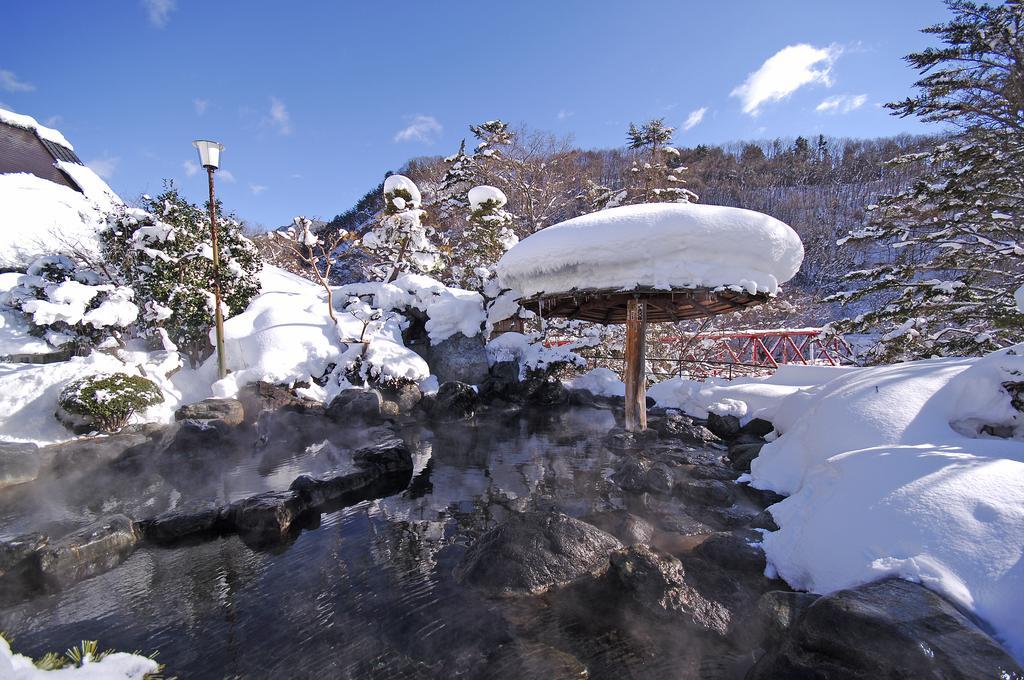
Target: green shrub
[108,401]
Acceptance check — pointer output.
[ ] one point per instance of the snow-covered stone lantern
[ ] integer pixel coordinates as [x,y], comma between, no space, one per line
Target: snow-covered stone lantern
[656,262]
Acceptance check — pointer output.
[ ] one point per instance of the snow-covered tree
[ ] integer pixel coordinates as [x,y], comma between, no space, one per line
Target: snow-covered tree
[400,238]
[317,253]
[164,253]
[455,185]
[657,177]
[493,135]
[487,236]
[948,254]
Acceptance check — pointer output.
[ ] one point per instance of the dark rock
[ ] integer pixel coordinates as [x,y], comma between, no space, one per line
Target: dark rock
[886,629]
[764,520]
[707,491]
[458,359]
[263,396]
[760,497]
[19,463]
[193,438]
[390,454]
[15,551]
[631,473]
[718,472]
[533,552]
[354,405]
[742,455]
[79,455]
[758,427]
[657,584]
[267,514]
[390,410]
[678,426]
[659,479]
[732,553]
[623,525]
[86,552]
[229,411]
[454,401]
[407,396]
[724,427]
[328,488]
[505,371]
[581,397]
[619,439]
[776,612]
[549,393]
[191,519]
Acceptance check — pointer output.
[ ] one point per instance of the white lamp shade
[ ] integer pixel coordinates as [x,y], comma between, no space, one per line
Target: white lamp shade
[209,153]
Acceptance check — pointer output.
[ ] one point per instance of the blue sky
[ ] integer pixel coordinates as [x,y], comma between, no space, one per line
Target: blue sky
[316,101]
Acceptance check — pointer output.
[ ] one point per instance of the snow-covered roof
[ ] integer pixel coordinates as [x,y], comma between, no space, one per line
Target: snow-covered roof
[30,123]
[660,245]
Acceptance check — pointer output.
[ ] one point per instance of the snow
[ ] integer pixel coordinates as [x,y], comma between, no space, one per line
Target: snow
[895,471]
[397,182]
[745,398]
[481,194]
[602,382]
[657,244]
[530,353]
[30,123]
[115,666]
[1018,297]
[94,188]
[39,217]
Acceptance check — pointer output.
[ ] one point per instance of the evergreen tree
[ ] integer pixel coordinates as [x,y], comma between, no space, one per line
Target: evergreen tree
[656,178]
[456,183]
[400,238]
[488,235]
[493,135]
[164,254]
[957,234]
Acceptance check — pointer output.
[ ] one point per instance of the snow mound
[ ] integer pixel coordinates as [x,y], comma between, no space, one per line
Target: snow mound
[664,245]
[400,182]
[118,665]
[896,471]
[481,194]
[602,382]
[29,123]
[39,217]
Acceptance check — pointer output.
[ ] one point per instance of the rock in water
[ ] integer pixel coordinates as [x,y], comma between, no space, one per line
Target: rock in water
[533,552]
[228,410]
[886,629]
[19,463]
[454,401]
[355,404]
[87,552]
[459,359]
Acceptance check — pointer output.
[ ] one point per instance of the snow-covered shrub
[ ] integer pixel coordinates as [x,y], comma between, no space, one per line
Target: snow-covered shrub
[164,253]
[109,400]
[83,661]
[66,303]
[400,239]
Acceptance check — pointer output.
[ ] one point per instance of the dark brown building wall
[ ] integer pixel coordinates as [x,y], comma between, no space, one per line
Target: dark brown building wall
[21,151]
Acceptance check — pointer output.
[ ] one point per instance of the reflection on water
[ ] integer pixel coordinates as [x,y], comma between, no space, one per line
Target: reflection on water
[368,593]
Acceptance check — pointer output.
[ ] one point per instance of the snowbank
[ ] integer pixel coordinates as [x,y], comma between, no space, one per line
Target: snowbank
[119,666]
[745,398]
[602,382]
[894,471]
[659,244]
[39,217]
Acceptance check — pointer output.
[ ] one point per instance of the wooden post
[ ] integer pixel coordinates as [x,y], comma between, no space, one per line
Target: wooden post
[636,379]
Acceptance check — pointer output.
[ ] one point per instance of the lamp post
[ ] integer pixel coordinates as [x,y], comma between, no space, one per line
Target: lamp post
[209,157]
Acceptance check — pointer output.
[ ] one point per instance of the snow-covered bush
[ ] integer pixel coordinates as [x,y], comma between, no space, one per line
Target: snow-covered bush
[108,401]
[318,254]
[400,239]
[164,253]
[84,661]
[66,303]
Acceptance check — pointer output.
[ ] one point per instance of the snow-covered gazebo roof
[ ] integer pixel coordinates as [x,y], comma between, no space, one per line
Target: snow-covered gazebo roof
[687,261]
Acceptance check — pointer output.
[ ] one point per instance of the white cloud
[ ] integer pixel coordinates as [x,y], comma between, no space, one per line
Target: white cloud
[695,118]
[190,167]
[104,167]
[10,82]
[784,73]
[563,114]
[841,103]
[424,129]
[226,176]
[200,106]
[280,117]
[159,11]
[257,189]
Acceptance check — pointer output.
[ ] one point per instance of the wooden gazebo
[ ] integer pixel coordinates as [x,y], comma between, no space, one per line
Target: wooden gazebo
[636,308]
